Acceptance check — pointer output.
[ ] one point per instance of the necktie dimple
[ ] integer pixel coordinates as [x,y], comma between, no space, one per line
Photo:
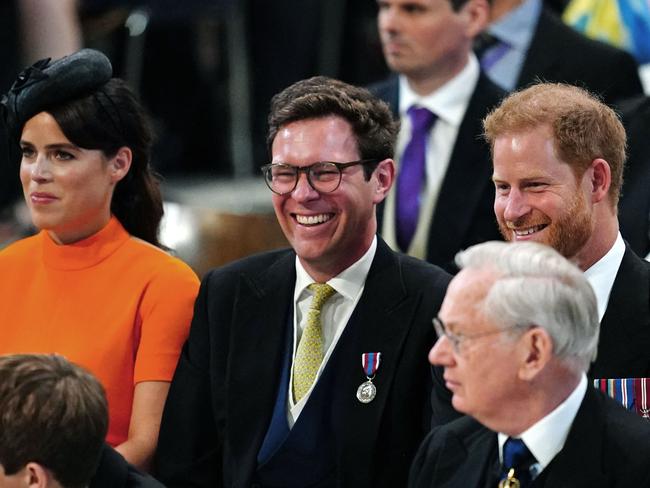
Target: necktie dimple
[517,457]
[309,354]
[412,174]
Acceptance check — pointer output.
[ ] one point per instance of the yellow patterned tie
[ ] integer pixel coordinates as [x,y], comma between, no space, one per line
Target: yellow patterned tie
[309,354]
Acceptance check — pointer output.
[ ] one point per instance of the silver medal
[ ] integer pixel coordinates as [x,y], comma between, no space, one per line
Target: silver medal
[366,392]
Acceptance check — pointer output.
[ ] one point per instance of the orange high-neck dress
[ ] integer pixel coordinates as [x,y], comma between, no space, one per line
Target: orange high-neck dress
[112,303]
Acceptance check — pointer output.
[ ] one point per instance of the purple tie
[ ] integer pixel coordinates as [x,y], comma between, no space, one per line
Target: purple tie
[489,50]
[411,177]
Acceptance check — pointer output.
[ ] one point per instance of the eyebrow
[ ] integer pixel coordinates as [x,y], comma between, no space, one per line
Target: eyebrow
[528,179]
[58,145]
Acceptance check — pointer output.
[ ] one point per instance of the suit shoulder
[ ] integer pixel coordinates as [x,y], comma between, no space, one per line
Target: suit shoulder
[624,428]
[251,265]
[419,271]
[626,442]
[387,91]
[488,93]
[384,86]
[464,430]
[582,45]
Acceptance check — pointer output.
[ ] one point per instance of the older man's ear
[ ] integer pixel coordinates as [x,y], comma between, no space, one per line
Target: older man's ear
[536,350]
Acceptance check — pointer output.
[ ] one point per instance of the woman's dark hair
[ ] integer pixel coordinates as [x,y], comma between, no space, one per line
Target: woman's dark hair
[108,118]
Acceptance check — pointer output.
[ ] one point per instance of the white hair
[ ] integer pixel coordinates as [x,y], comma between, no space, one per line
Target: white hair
[537,286]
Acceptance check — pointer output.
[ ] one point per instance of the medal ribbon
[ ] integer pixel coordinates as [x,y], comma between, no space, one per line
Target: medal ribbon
[370,362]
[632,393]
[641,390]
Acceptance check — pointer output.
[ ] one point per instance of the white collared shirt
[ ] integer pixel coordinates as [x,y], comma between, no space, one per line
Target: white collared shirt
[547,436]
[602,273]
[449,103]
[336,312]
[516,28]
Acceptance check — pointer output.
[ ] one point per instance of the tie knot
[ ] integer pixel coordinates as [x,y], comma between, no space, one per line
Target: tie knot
[483,42]
[421,118]
[516,454]
[322,293]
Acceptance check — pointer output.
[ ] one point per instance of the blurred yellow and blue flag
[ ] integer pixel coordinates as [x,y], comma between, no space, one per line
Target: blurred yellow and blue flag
[623,23]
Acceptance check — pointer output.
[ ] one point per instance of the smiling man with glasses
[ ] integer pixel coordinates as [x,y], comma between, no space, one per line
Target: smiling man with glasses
[518,329]
[307,366]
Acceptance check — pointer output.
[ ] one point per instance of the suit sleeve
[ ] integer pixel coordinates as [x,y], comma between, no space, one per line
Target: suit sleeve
[420,472]
[190,442]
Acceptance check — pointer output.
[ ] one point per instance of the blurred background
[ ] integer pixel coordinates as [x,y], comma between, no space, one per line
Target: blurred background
[206,70]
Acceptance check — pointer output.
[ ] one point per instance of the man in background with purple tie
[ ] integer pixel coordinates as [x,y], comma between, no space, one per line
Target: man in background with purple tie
[442,201]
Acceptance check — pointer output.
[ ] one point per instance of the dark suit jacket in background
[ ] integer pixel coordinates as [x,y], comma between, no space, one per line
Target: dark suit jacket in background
[634,205]
[559,53]
[114,472]
[624,340]
[225,387]
[464,213]
[607,446]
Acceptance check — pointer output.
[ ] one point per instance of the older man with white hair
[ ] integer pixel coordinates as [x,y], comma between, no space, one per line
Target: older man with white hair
[517,331]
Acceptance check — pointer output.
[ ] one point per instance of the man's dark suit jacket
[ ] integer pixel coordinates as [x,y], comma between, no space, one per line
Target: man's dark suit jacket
[114,472]
[559,53]
[607,446]
[464,213]
[634,205]
[624,340]
[225,386]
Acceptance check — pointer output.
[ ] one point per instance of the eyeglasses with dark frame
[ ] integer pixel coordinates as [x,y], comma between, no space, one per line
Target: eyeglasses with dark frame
[457,340]
[323,176]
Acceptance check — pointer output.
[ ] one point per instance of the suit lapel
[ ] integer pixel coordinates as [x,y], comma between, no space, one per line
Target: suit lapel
[625,329]
[260,331]
[579,463]
[380,323]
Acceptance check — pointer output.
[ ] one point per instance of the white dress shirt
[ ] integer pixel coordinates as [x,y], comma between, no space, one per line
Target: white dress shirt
[547,436]
[335,313]
[602,273]
[449,103]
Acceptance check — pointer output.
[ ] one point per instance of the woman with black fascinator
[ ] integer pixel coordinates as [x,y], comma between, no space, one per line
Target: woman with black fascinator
[94,284]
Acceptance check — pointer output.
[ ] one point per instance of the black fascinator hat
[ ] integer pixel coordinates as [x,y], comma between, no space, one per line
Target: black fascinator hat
[47,83]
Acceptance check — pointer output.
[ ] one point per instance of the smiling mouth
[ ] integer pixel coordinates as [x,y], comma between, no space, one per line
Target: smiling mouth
[523,232]
[313,219]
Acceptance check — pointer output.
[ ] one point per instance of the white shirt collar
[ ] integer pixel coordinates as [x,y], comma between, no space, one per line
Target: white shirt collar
[602,273]
[547,436]
[449,102]
[348,282]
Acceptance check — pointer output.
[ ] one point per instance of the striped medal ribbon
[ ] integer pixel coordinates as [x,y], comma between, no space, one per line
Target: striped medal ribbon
[367,390]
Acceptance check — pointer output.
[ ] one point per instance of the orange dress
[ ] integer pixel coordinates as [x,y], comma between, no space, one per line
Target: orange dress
[112,303]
